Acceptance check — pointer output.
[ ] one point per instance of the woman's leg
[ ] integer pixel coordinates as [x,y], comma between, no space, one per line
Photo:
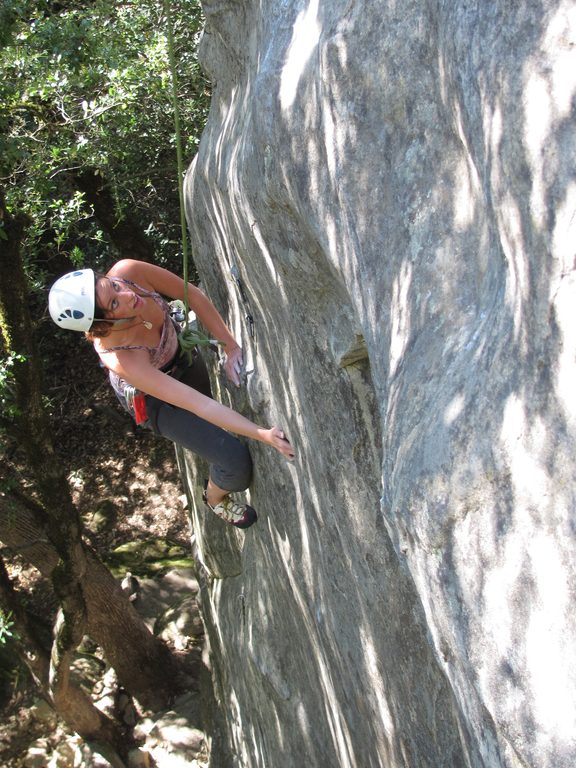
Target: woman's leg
[215,494]
[229,459]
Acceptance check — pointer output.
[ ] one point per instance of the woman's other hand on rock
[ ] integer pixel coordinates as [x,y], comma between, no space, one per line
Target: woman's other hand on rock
[279,441]
[233,364]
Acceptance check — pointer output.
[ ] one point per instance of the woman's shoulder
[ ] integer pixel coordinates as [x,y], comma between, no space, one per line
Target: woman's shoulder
[129,269]
[151,277]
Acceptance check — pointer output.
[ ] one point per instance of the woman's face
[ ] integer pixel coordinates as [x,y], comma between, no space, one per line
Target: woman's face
[117,299]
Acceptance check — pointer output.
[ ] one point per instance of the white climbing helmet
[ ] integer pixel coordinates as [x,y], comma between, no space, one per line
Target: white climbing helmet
[72,300]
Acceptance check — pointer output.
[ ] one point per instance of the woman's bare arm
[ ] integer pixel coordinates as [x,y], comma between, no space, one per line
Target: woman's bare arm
[134,366]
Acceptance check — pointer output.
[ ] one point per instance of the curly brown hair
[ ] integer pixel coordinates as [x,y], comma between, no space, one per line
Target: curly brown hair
[98,330]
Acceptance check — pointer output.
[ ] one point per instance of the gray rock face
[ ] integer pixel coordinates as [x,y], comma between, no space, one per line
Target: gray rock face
[396,185]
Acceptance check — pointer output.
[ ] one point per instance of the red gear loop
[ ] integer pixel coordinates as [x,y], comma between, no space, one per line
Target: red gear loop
[139,405]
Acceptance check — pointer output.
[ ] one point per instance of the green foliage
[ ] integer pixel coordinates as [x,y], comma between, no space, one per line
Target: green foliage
[6,627]
[7,385]
[86,87]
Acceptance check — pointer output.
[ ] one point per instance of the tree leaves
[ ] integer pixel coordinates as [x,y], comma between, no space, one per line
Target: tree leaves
[85,86]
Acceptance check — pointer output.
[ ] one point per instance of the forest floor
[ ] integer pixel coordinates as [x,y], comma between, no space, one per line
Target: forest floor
[109,459]
[124,481]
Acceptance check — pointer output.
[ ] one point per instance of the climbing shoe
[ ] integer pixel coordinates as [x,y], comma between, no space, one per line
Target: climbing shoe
[233,512]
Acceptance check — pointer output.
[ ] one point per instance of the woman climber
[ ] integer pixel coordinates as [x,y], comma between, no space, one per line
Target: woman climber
[125,316]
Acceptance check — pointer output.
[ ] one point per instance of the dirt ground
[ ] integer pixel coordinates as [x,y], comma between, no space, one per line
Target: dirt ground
[109,459]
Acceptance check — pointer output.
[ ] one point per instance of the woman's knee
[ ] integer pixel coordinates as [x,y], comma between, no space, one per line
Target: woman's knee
[234,473]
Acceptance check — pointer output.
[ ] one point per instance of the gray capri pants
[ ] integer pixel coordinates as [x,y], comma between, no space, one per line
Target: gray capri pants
[229,459]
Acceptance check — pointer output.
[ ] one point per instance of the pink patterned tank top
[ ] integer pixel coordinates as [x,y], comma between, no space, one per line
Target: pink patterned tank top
[161,355]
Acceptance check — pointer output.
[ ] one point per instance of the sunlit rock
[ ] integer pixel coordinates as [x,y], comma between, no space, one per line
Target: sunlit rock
[394,186]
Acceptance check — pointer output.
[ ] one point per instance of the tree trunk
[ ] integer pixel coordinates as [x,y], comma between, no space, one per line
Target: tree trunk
[143,663]
[30,647]
[71,703]
[122,229]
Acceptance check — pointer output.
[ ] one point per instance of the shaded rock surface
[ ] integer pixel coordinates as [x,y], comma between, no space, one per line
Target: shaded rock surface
[395,185]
